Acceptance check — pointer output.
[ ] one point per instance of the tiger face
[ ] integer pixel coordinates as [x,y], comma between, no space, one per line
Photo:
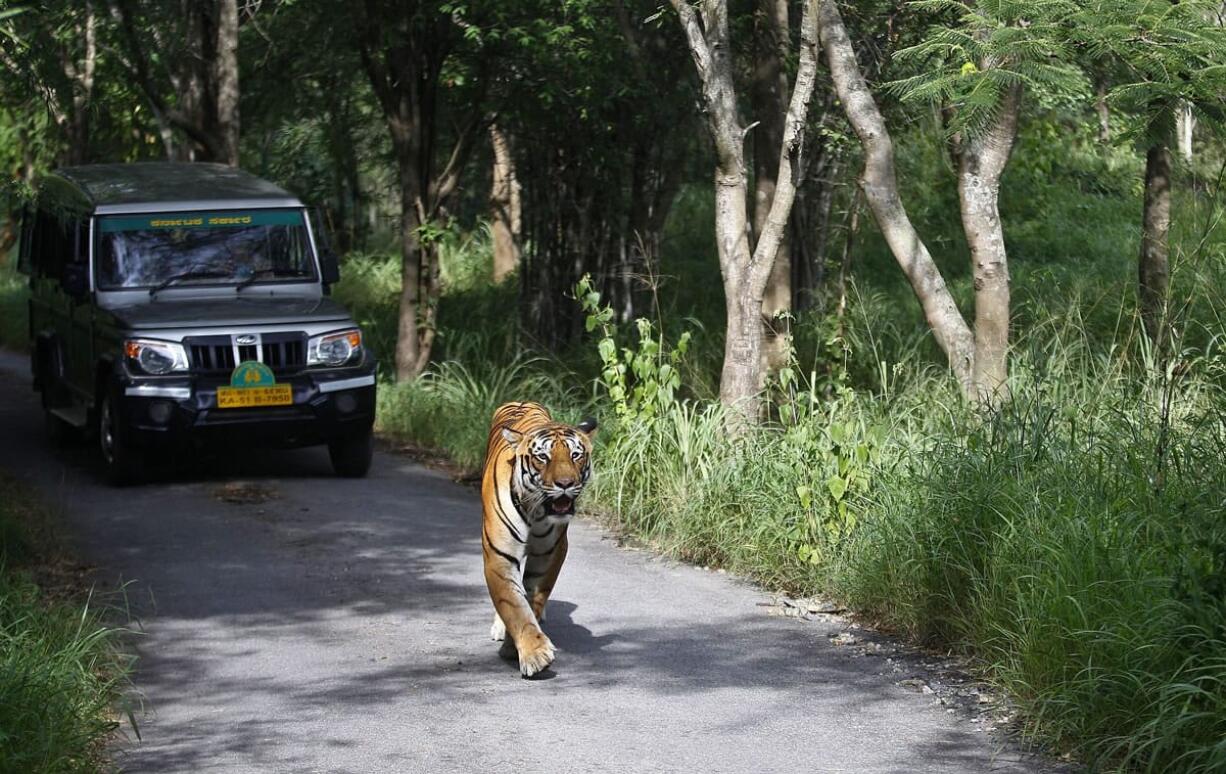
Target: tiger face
[552,464]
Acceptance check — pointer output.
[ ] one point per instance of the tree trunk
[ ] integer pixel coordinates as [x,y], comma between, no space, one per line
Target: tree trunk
[982,161]
[404,51]
[849,239]
[1155,248]
[504,207]
[880,185]
[1104,112]
[769,94]
[1185,124]
[81,81]
[202,75]
[408,342]
[225,78]
[745,270]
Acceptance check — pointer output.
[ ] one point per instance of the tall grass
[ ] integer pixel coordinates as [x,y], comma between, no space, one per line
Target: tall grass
[1073,543]
[59,668]
[449,407]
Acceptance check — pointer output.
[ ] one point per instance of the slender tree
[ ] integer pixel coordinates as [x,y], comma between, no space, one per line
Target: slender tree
[184,60]
[505,213]
[975,68]
[879,181]
[768,97]
[1169,58]
[745,269]
[407,50]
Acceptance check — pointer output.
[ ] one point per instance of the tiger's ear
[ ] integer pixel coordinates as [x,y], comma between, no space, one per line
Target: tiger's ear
[587,426]
[511,437]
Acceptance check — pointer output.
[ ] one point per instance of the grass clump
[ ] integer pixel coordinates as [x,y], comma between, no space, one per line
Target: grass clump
[14,314]
[59,666]
[1073,543]
[449,407]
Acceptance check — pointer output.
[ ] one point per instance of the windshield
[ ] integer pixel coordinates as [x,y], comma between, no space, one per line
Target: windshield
[202,248]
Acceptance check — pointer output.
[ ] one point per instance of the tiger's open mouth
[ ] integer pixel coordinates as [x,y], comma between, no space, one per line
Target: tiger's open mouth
[562,506]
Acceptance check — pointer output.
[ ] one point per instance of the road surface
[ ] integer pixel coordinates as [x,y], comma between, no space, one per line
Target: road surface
[342,626]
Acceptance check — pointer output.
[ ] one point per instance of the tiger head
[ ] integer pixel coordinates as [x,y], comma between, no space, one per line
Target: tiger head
[552,464]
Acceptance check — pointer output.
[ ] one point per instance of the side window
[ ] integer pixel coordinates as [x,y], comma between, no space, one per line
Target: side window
[80,240]
[52,245]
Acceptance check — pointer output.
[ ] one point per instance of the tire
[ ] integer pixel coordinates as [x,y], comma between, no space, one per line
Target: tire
[351,455]
[123,463]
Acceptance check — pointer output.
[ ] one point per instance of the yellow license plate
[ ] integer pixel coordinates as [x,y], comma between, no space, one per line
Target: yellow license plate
[253,397]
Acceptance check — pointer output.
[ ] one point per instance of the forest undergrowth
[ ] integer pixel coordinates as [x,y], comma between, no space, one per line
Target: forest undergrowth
[62,668]
[1072,542]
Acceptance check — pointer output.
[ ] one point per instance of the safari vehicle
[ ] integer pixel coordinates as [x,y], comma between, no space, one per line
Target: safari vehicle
[177,303]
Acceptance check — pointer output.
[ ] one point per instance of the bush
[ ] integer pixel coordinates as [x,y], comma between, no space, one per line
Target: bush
[449,407]
[14,319]
[1069,544]
[1073,544]
[59,667]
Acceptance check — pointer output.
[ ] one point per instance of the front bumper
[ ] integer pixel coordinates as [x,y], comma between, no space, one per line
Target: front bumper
[327,404]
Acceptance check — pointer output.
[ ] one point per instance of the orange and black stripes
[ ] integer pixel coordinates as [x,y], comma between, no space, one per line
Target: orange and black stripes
[535,468]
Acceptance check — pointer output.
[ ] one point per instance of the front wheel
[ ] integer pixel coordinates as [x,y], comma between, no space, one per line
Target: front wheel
[123,463]
[351,455]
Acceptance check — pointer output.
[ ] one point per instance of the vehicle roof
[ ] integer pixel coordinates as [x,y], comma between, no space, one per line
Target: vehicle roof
[170,186]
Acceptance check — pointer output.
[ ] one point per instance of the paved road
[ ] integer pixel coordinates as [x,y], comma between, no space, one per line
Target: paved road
[343,627]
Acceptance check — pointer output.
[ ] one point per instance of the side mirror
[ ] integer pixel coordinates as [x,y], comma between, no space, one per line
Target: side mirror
[329,266]
[75,280]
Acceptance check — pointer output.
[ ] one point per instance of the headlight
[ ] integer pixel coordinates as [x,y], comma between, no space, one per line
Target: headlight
[155,357]
[334,349]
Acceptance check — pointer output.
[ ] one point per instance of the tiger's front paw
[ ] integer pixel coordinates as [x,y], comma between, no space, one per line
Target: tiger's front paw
[498,630]
[535,654]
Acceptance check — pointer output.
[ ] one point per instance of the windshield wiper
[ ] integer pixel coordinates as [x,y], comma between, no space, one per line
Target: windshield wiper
[192,273]
[282,273]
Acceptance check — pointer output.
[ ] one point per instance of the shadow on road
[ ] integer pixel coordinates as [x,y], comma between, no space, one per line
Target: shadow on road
[332,623]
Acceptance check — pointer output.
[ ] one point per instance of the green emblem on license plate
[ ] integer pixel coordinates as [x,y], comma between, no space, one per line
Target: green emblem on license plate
[252,386]
[251,373]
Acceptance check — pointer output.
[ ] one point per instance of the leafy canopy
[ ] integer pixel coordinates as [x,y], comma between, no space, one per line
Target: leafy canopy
[976,52]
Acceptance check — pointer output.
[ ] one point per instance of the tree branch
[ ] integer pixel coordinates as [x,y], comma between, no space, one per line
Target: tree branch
[880,185]
[793,141]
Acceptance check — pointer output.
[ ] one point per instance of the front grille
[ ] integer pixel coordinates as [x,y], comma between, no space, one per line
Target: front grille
[216,354]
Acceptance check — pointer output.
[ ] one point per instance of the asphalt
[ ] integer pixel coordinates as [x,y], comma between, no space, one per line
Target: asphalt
[342,626]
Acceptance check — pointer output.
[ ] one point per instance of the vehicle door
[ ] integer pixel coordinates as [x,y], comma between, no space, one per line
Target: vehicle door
[77,289]
[53,311]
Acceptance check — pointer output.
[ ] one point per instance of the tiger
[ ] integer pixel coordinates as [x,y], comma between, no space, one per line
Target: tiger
[535,469]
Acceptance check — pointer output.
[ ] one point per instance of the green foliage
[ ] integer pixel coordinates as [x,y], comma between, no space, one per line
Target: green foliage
[1166,55]
[14,295]
[59,669]
[989,48]
[1039,542]
[449,408]
[769,505]
[640,381]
